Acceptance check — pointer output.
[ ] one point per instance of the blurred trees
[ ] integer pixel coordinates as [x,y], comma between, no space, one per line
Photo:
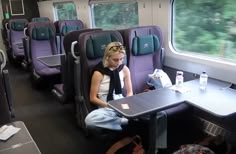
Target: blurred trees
[115,15]
[65,11]
[205,26]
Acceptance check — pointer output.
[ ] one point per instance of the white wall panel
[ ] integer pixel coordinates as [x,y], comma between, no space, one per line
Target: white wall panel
[145,12]
[46,9]
[83,12]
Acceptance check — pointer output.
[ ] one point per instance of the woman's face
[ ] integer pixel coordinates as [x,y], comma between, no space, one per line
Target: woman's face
[115,60]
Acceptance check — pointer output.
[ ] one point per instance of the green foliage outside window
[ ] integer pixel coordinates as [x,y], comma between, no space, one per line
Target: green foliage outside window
[65,11]
[115,15]
[206,27]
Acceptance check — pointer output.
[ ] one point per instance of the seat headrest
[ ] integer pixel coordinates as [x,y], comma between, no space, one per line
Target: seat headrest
[145,44]
[18,25]
[96,46]
[40,19]
[42,33]
[69,28]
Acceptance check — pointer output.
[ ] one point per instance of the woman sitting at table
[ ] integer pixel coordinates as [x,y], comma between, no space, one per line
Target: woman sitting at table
[108,79]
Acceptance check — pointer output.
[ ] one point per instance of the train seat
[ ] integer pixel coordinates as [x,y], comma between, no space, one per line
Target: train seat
[16,34]
[40,19]
[65,26]
[27,58]
[145,52]
[65,91]
[42,43]
[91,47]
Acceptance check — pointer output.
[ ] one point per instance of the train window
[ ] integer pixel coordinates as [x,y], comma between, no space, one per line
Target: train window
[114,15]
[205,27]
[17,7]
[65,11]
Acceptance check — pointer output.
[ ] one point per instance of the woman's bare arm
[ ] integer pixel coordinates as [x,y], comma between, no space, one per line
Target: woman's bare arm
[128,83]
[95,83]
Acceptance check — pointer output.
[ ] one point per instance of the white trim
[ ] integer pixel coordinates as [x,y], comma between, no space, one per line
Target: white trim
[23,10]
[4,59]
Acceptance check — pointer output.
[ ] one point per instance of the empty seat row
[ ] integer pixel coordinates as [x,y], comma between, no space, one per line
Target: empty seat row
[17,36]
[15,33]
[40,38]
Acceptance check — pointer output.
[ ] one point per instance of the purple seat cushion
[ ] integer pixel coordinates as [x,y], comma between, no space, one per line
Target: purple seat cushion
[42,35]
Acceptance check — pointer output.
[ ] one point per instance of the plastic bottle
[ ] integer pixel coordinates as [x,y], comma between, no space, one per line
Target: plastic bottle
[203,80]
[179,80]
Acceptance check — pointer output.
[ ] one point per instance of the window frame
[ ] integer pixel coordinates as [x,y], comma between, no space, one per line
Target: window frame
[193,63]
[12,6]
[193,55]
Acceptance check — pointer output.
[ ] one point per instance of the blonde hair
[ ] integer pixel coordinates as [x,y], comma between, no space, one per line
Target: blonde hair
[118,48]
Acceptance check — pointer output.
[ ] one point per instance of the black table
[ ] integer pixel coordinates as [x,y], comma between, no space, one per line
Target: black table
[153,101]
[158,100]
[52,60]
[219,103]
[147,102]
[19,143]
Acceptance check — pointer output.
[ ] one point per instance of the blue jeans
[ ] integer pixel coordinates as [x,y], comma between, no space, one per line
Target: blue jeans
[105,118]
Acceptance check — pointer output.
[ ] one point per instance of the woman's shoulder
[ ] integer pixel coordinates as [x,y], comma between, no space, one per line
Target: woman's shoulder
[125,70]
[97,75]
